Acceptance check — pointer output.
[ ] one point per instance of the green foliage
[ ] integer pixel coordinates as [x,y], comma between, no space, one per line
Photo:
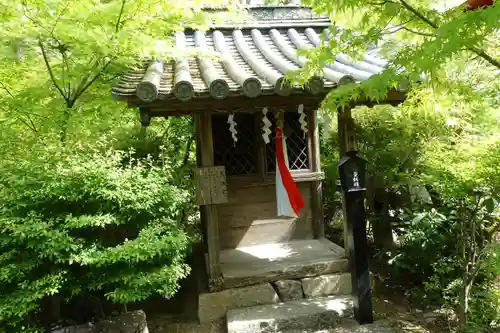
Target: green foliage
[105,211]
[416,37]
[96,219]
[61,54]
[444,138]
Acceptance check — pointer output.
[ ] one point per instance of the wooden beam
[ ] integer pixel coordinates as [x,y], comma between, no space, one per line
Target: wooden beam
[315,166]
[208,213]
[175,107]
[234,102]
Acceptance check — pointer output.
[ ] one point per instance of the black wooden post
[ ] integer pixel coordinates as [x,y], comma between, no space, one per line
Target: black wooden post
[352,176]
[358,257]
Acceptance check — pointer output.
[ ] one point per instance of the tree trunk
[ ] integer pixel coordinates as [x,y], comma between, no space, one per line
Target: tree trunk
[382,228]
[185,160]
[464,300]
[65,122]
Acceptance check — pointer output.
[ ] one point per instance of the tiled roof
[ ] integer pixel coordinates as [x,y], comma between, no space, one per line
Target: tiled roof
[253,60]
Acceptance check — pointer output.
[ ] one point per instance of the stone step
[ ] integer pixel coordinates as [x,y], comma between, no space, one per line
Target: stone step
[281,261]
[214,306]
[327,285]
[307,314]
[351,326]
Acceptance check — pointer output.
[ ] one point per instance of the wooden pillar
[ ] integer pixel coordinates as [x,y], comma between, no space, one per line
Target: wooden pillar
[342,116]
[318,215]
[145,122]
[208,213]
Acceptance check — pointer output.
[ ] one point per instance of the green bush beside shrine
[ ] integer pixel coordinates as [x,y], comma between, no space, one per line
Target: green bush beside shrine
[78,220]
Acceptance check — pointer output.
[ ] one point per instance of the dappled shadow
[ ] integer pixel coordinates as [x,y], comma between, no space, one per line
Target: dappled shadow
[270,252]
[270,262]
[312,314]
[338,284]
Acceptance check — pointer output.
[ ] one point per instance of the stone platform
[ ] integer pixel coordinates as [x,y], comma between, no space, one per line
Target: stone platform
[281,261]
[311,314]
[276,273]
[343,326]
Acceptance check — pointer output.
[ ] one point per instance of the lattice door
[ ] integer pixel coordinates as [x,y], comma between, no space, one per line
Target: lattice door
[239,158]
[296,141]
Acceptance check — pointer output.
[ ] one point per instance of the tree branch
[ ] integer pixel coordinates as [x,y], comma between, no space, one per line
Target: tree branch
[31,127]
[381,3]
[65,71]
[51,73]
[79,91]
[113,77]
[187,151]
[486,56]
[59,18]
[418,14]
[392,18]
[4,87]
[122,8]
[32,114]
[32,124]
[401,26]
[479,52]
[418,32]
[477,268]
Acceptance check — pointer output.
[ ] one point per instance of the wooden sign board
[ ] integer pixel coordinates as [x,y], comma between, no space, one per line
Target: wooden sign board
[211,187]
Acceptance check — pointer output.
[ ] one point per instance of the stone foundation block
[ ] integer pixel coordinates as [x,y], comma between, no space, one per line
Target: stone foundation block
[324,285]
[213,306]
[289,290]
[130,322]
[302,315]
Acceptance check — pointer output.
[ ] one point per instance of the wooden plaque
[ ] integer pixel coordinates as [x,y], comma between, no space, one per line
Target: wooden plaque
[211,185]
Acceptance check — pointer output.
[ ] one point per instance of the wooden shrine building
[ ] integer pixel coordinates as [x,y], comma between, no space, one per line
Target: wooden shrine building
[237,101]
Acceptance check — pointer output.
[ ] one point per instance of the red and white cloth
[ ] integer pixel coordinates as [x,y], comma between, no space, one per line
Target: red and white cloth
[288,197]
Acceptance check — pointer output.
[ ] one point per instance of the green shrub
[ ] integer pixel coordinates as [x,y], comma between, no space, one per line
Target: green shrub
[76,220]
[450,146]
